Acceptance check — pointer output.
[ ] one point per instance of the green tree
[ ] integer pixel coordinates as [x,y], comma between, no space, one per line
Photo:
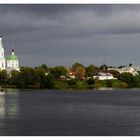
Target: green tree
[58,71]
[45,67]
[41,77]
[116,84]
[3,77]
[91,81]
[49,83]
[72,83]
[76,65]
[14,77]
[136,81]
[91,70]
[123,85]
[27,77]
[128,78]
[81,85]
[114,73]
[104,68]
[60,85]
[80,72]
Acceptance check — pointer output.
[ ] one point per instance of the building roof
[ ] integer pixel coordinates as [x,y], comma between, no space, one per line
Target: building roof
[104,74]
[12,57]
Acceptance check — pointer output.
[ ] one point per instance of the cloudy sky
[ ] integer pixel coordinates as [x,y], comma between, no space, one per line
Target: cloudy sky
[64,34]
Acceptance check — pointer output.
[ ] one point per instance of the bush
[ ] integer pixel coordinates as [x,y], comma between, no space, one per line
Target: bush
[81,85]
[97,83]
[60,85]
[49,83]
[91,81]
[127,78]
[116,84]
[123,85]
[72,82]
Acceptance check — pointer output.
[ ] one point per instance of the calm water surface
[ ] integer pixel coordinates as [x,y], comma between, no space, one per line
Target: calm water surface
[70,113]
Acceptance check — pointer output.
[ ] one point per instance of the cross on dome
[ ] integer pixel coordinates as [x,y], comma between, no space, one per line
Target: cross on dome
[12,51]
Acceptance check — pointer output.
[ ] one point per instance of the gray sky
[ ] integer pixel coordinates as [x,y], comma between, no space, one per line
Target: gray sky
[65,34]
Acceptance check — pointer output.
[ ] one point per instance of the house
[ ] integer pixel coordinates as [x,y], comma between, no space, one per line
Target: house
[129,69]
[104,76]
[72,75]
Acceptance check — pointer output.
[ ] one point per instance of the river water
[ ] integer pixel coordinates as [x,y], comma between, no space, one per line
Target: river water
[70,113]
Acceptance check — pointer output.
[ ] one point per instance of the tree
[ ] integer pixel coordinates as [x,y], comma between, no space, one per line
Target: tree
[91,81]
[128,78]
[58,71]
[49,83]
[3,77]
[91,70]
[14,77]
[136,81]
[41,76]
[45,67]
[80,72]
[114,73]
[104,68]
[60,85]
[76,65]
[81,85]
[121,67]
[27,77]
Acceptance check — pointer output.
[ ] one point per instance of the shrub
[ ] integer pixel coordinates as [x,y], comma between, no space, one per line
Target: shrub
[116,84]
[81,85]
[91,81]
[123,85]
[60,85]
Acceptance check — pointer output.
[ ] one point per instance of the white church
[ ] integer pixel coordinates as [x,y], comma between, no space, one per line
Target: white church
[9,64]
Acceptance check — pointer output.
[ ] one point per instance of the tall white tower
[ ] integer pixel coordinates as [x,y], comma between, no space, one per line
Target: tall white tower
[2,58]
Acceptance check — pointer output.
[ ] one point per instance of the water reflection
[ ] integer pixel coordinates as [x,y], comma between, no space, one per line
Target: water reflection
[2,107]
[12,104]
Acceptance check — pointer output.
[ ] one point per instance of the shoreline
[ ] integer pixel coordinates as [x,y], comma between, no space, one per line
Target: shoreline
[70,89]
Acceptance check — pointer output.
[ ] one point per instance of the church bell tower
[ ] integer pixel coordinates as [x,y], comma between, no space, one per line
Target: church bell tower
[2,58]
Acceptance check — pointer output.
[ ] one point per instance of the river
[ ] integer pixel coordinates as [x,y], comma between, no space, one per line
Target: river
[70,113]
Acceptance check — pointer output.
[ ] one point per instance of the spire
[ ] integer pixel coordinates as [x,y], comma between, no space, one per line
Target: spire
[1,46]
[13,52]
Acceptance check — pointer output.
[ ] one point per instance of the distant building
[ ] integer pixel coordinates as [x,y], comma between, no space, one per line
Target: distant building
[12,62]
[104,76]
[2,58]
[136,67]
[129,69]
[72,75]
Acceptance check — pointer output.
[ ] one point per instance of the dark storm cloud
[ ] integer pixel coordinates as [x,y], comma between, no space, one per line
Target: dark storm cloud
[85,33]
[92,19]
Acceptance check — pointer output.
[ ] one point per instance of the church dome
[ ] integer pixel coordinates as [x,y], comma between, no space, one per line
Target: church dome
[12,57]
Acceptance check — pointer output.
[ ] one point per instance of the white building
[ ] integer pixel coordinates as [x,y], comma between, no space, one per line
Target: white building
[136,67]
[2,58]
[129,69]
[72,75]
[12,62]
[104,76]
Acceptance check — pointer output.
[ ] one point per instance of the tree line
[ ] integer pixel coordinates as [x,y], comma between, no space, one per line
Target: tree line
[58,78]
